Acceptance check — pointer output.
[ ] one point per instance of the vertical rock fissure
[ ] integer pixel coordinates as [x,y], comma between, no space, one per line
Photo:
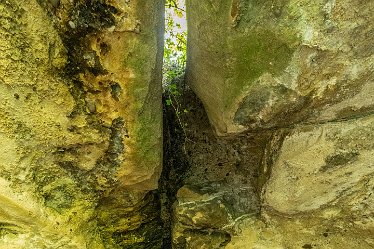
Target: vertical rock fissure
[175,163]
[207,181]
[175,166]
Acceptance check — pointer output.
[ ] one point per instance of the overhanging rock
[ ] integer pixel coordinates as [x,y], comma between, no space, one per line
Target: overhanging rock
[266,64]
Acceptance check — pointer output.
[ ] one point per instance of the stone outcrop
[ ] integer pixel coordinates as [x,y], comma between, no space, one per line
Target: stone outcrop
[80,123]
[287,85]
[306,187]
[292,83]
[266,64]
[320,191]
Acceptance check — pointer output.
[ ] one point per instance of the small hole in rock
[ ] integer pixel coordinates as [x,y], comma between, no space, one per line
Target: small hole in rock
[104,48]
[307,246]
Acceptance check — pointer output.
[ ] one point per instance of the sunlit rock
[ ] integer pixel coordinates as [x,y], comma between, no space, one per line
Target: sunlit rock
[266,64]
[80,126]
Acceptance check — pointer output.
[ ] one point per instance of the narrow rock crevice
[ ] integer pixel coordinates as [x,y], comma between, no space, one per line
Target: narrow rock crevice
[219,178]
[175,166]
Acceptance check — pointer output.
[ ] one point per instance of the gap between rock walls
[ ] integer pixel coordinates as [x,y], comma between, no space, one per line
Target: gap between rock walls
[198,162]
[175,163]
[276,154]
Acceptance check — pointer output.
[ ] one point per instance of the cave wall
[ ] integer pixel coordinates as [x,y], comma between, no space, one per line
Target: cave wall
[80,123]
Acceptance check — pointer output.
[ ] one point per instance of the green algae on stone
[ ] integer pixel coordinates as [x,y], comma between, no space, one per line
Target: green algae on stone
[304,47]
[147,112]
[260,51]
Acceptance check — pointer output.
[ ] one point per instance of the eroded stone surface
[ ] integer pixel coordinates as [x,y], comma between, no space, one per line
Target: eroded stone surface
[303,71]
[325,229]
[205,214]
[299,75]
[320,191]
[265,64]
[306,187]
[222,182]
[80,123]
[319,194]
[318,165]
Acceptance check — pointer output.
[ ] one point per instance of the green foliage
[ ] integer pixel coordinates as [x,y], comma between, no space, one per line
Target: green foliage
[173,93]
[175,56]
[175,42]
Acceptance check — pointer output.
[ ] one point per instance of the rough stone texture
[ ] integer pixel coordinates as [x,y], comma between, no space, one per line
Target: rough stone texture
[317,165]
[80,126]
[316,184]
[265,64]
[320,192]
[222,182]
[297,76]
[205,214]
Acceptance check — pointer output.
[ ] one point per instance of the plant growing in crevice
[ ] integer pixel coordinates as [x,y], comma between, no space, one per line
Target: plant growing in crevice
[175,163]
[175,41]
[175,56]
[174,97]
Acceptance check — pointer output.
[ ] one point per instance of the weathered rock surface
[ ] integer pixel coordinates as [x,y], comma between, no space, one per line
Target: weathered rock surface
[80,126]
[316,191]
[297,76]
[319,165]
[320,192]
[80,123]
[266,64]
[206,213]
[221,185]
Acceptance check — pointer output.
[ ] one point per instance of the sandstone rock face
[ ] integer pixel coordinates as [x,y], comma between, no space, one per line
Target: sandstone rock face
[80,126]
[320,192]
[322,181]
[297,78]
[266,64]
[312,187]
[319,165]
[80,123]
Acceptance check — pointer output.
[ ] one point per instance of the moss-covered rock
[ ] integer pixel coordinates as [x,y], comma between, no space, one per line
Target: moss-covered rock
[265,64]
[80,127]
